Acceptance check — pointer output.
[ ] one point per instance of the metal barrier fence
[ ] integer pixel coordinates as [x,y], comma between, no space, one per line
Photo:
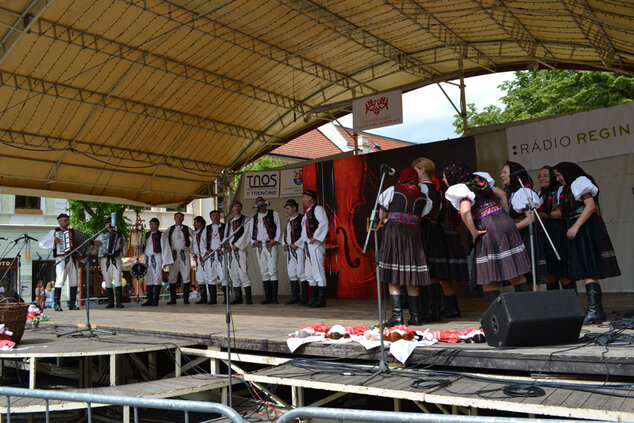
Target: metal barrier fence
[337,414]
[134,402]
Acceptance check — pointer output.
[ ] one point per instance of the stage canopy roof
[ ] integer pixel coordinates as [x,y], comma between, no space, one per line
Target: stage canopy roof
[150,100]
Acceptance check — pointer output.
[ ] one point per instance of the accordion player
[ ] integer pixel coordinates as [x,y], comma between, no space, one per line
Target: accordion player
[110,245]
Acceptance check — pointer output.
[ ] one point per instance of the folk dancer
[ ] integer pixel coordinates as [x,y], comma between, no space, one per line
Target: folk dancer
[157,254]
[214,266]
[110,245]
[295,258]
[199,249]
[67,267]
[237,255]
[266,234]
[314,232]
[179,240]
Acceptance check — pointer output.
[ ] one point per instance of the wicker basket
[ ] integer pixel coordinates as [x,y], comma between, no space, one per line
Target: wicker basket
[13,315]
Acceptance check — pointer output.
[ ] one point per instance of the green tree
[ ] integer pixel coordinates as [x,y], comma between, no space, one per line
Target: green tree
[548,93]
[90,216]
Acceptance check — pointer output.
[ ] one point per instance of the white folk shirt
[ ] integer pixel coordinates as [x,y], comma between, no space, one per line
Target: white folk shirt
[178,239]
[322,230]
[199,243]
[215,236]
[298,242]
[243,241]
[262,235]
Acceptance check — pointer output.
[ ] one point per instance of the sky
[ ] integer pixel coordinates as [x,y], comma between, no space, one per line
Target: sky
[428,115]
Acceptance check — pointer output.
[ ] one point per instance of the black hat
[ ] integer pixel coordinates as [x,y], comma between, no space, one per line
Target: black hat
[291,203]
[181,213]
[61,215]
[155,220]
[235,202]
[257,200]
[214,211]
[310,193]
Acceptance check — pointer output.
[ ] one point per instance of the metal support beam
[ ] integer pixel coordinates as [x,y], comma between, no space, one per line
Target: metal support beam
[21,25]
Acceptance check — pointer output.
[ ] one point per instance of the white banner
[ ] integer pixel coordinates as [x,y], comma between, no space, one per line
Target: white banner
[291,182]
[261,184]
[378,110]
[577,137]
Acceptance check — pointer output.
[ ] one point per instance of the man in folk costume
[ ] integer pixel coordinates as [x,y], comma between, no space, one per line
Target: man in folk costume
[110,245]
[266,234]
[295,259]
[215,266]
[314,232]
[237,254]
[179,239]
[157,254]
[66,263]
[199,250]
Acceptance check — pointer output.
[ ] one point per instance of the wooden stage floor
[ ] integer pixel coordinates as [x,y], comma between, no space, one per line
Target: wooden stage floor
[263,329]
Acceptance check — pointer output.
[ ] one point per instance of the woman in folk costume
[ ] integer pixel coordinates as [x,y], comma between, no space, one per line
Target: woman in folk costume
[590,253]
[518,186]
[550,212]
[433,239]
[402,259]
[500,252]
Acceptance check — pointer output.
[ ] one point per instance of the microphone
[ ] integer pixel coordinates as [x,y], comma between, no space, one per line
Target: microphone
[30,238]
[113,219]
[4,237]
[389,170]
[265,204]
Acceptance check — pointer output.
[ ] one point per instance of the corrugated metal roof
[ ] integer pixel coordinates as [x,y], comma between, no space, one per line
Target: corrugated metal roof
[149,100]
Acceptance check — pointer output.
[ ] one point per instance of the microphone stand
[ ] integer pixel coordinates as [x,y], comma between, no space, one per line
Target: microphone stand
[225,246]
[383,367]
[532,209]
[87,331]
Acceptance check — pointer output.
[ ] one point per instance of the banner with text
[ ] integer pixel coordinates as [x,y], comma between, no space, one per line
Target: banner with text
[261,184]
[577,137]
[291,182]
[378,110]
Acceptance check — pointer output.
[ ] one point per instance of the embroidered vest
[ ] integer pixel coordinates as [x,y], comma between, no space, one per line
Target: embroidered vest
[185,229]
[156,241]
[235,224]
[296,229]
[269,225]
[210,230]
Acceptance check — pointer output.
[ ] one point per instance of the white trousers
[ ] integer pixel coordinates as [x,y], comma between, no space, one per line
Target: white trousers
[238,268]
[316,256]
[65,270]
[215,269]
[295,262]
[180,266]
[110,272]
[267,260]
[154,274]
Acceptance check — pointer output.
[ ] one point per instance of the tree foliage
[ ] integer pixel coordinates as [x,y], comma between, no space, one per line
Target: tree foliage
[548,93]
[90,216]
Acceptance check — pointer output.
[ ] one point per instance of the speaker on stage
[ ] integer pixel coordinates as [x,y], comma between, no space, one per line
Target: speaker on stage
[523,319]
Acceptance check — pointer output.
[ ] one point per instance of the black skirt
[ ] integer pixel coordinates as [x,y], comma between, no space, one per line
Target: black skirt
[402,257]
[500,252]
[456,257]
[590,254]
[557,230]
[435,249]
[540,258]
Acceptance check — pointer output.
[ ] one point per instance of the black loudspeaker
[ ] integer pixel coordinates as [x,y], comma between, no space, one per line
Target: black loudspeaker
[524,319]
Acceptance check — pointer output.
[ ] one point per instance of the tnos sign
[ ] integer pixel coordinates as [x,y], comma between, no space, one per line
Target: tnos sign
[262,184]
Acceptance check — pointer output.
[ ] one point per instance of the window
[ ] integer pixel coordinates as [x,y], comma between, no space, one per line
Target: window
[27,203]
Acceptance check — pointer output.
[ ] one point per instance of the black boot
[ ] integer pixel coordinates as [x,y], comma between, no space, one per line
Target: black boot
[72,302]
[423,303]
[212,294]
[58,296]
[294,292]
[119,294]
[404,302]
[321,297]
[491,296]
[224,294]
[247,294]
[313,296]
[149,292]
[552,286]
[186,290]
[157,295]
[435,300]
[413,311]
[304,296]
[237,292]
[451,306]
[522,287]
[172,300]
[203,294]
[267,292]
[273,285]
[397,312]
[595,314]
[110,295]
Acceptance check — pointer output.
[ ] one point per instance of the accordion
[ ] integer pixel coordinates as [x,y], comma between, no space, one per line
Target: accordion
[108,245]
[66,241]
